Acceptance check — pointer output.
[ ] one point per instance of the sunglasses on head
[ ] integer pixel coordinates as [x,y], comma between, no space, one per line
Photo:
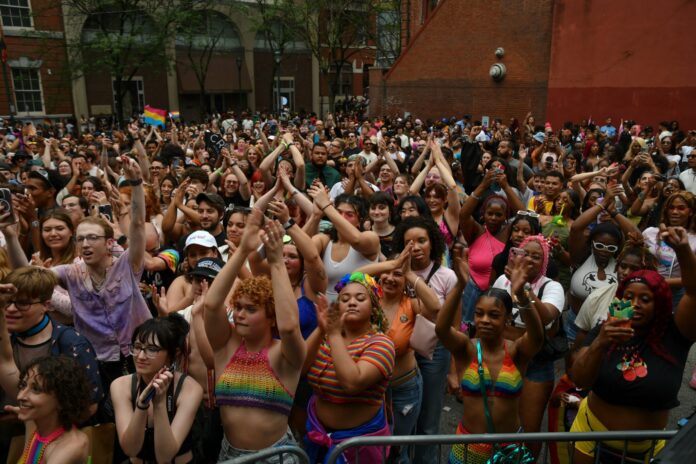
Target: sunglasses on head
[530,214]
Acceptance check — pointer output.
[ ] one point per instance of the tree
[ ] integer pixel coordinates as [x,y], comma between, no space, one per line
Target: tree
[200,36]
[337,30]
[276,23]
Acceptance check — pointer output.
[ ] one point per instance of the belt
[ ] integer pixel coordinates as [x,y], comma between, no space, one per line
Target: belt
[403,378]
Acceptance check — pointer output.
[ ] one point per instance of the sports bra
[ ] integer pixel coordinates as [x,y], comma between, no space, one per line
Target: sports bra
[401,327]
[507,385]
[147,451]
[335,270]
[249,381]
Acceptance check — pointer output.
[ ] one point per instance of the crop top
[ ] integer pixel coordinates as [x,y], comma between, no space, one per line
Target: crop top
[481,254]
[377,349]
[147,451]
[401,327]
[249,381]
[507,385]
[656,391]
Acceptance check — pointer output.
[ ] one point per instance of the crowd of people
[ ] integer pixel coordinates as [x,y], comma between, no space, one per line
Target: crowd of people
[219,289]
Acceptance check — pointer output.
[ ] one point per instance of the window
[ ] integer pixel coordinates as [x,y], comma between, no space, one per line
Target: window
[287,92]
[15,13]
[27,87]
[133,96]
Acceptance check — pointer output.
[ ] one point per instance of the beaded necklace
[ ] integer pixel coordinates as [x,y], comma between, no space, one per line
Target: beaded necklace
[34,451]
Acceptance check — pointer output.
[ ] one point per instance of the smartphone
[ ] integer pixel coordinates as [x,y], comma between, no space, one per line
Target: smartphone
[108,211]
[152,391]
[6,201]
[516,253]
[498,171]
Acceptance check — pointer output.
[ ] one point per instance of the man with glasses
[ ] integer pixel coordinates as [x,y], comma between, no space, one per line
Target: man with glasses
[352,148]
[689,176]
[25,297]
[367,153]
[107,304]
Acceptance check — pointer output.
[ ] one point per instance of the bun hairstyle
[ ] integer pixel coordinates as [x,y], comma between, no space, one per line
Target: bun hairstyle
[502,296]
[169,332]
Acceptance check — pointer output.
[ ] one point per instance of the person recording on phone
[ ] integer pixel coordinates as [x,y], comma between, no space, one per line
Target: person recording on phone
[101,280]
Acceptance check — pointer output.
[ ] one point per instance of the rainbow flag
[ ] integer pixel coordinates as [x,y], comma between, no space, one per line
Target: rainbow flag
[154,116]
[173,115]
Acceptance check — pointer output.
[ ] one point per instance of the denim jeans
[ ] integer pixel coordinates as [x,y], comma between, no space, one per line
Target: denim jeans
[434,374]
[406,406]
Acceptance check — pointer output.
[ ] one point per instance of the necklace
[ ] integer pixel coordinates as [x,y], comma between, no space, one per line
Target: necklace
[36,329]
[632,364]
[35,449]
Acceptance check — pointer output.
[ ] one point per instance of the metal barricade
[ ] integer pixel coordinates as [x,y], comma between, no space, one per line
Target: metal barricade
[568,437]
[281,452]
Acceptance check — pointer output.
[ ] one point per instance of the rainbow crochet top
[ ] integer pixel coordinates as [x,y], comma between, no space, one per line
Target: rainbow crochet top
[249,381]
[507,385]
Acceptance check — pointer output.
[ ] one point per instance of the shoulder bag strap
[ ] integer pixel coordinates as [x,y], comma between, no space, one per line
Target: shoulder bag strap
[436,266]
[482,385]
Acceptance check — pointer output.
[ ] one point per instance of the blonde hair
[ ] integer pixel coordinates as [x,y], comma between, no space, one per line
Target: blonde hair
[32,281]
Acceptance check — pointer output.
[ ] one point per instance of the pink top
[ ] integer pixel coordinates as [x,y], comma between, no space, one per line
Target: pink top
[481,254]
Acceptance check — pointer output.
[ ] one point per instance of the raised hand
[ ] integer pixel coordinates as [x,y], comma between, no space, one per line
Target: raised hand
[675,237]
[280,210]
[460,257]
[131,168]
[272,238]
[318,193]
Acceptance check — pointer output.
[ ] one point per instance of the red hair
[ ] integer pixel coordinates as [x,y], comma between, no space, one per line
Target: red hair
[662,303]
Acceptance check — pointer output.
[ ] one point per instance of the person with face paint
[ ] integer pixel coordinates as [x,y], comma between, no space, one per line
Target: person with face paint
[491,350]
[634,372]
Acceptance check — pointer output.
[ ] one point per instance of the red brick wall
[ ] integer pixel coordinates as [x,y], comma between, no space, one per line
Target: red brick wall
[613,59]
[445,69]
[54,77]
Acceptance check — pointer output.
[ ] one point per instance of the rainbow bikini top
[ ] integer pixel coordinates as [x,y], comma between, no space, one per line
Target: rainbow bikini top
[249,381]
[507,385]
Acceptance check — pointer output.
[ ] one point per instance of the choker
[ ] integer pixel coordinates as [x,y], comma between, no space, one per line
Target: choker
[36,329]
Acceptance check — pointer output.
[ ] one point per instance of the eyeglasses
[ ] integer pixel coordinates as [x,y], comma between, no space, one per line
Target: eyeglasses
[530,214]
[151,351]
[91,239]
[20,305]
[602,247]
[690,156]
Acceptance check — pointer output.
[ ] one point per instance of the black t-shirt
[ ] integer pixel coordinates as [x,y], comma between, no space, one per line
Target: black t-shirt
[656,391]
[235,200]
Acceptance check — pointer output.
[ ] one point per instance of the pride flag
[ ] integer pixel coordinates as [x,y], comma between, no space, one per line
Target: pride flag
[173,115]
[154,116]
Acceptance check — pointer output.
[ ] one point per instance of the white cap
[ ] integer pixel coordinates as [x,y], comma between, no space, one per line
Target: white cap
[202,238]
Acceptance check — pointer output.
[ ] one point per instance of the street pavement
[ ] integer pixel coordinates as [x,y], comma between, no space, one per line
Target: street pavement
[687,397]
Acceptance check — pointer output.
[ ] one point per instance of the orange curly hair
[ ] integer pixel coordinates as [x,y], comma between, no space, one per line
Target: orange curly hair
[258,289]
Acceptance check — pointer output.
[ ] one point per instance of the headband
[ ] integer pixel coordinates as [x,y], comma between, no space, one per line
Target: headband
[366,280]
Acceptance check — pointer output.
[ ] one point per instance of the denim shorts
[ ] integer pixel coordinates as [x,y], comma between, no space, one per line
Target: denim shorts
[228,451]
[540,371]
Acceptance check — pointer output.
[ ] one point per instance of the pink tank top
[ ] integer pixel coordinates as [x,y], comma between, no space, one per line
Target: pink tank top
[481,254]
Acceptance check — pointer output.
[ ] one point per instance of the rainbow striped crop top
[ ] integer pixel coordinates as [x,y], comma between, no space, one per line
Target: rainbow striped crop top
[507,385]
[249,381]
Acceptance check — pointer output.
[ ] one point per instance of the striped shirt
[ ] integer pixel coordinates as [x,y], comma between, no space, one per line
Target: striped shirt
[376,349]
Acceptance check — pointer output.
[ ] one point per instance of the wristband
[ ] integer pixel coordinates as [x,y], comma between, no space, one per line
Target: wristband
[294,192]
[326,206]
[137,405]
[415,283]
[289,224]
[601,207]
[133,183]
[475,197]
[218,171]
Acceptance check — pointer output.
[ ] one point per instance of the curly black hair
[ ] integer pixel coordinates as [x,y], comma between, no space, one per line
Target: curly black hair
[437,242]
[67,381]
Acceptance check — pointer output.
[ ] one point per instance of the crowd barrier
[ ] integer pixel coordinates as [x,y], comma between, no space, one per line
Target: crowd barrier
[280,451]
[549,437]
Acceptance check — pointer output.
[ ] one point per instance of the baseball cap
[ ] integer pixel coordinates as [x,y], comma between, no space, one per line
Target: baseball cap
[207,267]
[213,199]
[202,238]
[539,137]
[50,178]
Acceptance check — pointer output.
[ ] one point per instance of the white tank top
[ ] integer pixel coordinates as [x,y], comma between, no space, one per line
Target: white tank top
[337,269]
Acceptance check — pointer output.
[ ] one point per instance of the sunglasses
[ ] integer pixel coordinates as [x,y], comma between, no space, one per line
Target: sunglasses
[530,214]
[602,247]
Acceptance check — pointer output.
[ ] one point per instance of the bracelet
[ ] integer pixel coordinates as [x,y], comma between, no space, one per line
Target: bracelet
[137,405]
[415,283]
[475,197]
[326,207]
[602,207]
[285,144]
[614,214]
[133,183]
[218,171]
[294,192]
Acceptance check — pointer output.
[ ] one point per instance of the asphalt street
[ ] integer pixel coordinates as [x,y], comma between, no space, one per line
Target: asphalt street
[687,397]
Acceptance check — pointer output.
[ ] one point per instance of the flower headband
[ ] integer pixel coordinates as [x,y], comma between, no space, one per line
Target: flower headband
[366,280]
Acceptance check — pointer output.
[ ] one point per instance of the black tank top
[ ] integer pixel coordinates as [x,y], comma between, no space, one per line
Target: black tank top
[147,452]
